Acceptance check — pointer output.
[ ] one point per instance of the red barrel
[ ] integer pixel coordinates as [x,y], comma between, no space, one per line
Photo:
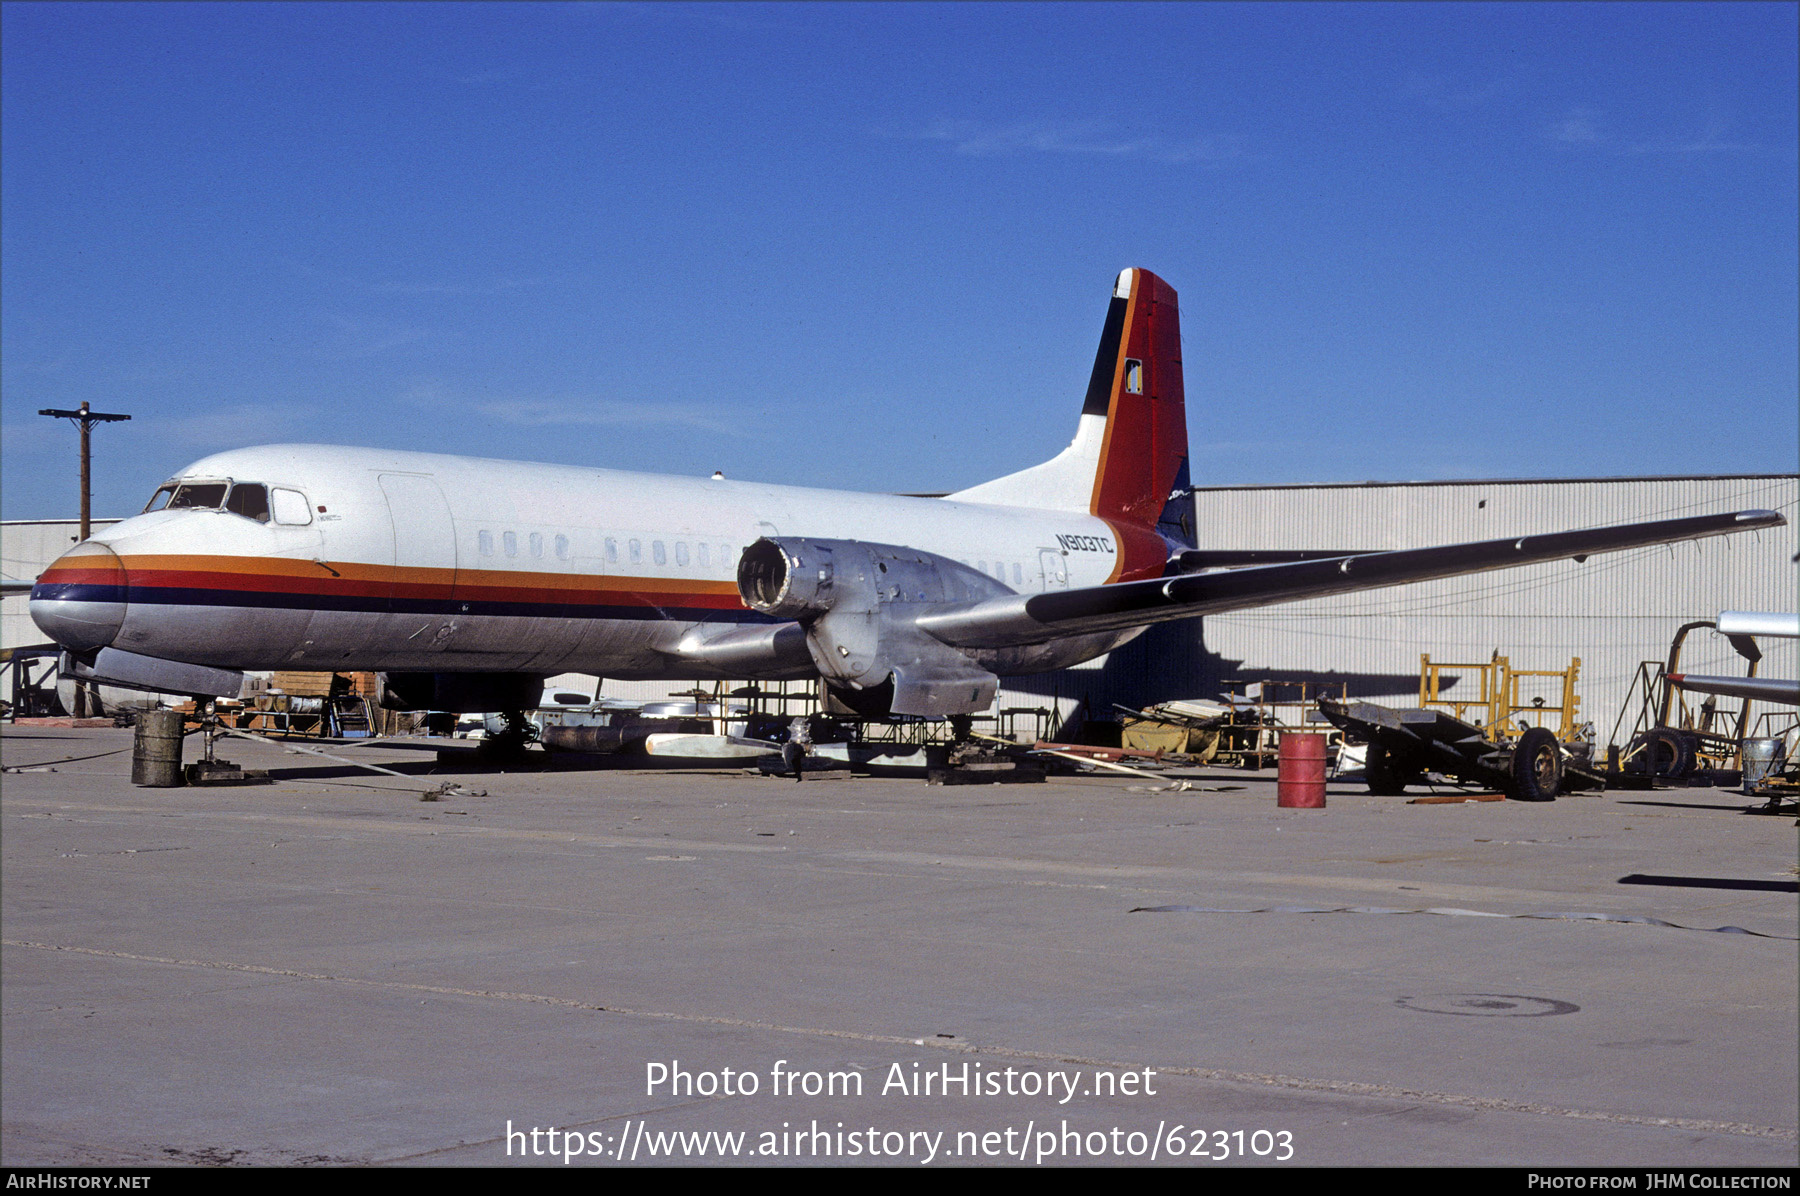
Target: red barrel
[1300,772]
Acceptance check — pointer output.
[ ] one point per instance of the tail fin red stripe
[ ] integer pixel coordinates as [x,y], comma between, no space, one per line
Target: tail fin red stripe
[1146,428]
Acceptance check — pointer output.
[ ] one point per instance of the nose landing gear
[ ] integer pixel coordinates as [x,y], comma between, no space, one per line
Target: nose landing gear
[509,744]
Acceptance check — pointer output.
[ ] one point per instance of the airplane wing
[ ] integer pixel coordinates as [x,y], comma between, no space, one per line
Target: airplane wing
[9,588]
[1037,618]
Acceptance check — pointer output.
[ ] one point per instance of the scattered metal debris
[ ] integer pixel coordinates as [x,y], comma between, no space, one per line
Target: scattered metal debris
[1454,799]
[435,793]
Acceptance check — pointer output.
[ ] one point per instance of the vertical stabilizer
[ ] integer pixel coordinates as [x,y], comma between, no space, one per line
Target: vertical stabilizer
[1130,448]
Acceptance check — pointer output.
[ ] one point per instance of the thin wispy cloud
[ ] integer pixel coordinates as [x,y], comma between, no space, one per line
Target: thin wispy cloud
[1447,94]
[1089,137]
[1580,126]
[363,285]
[162,374]
[1712,141]
[24,436]
[230,427]
[353,339]
[1586,128]
[19,363]
[501,80]
[574,411]
[492,75]
[501,286]
[731,17]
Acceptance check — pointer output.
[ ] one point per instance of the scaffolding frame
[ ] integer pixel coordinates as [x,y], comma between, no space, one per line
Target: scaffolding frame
[801,698]
[1253,736]
[1497,706]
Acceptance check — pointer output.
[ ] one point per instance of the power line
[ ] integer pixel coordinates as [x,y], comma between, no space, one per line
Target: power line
[85,420]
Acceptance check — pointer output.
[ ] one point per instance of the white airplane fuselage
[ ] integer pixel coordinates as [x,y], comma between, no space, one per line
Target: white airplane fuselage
[425,562]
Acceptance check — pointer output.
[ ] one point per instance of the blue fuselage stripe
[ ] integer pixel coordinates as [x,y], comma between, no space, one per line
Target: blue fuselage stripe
[378,604]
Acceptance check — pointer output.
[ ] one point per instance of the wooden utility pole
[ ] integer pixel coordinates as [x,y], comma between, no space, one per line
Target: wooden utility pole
[84,419]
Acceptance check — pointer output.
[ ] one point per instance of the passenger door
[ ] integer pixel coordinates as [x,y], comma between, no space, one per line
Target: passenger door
[424,543]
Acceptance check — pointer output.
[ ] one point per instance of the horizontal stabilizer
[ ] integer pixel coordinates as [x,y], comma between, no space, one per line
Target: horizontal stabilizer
[1022,619]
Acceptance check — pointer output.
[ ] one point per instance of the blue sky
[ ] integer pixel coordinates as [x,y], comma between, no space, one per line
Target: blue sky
[870,246]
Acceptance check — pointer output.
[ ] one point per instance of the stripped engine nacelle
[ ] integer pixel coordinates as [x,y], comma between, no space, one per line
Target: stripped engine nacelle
[859,604]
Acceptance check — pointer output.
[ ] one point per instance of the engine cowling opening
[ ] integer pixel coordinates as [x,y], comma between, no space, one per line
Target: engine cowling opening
[762,575]
[788,581]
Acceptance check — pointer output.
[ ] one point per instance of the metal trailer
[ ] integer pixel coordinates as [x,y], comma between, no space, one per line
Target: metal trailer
[1404,745]
[1669,741]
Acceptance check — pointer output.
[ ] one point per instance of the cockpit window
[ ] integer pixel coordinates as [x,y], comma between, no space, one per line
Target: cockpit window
[207,496]
[291,507]
[249,499]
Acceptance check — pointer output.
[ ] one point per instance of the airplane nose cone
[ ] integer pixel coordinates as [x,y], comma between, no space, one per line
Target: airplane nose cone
[79,601]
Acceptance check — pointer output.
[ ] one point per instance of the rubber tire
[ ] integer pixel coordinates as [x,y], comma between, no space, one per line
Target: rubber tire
[1387,775]
[1667,753]
[1537,767]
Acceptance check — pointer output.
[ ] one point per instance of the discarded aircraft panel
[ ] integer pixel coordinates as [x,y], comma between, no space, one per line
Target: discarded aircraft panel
[1175,728]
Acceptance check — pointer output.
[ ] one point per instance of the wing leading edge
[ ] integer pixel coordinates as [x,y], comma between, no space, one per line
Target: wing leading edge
[1030,619]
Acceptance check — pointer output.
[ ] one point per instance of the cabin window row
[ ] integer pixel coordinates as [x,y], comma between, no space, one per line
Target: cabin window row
[998,572]
[636,551]
[616,549]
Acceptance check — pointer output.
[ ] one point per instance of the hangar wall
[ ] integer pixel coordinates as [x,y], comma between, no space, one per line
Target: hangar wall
[1613,611]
